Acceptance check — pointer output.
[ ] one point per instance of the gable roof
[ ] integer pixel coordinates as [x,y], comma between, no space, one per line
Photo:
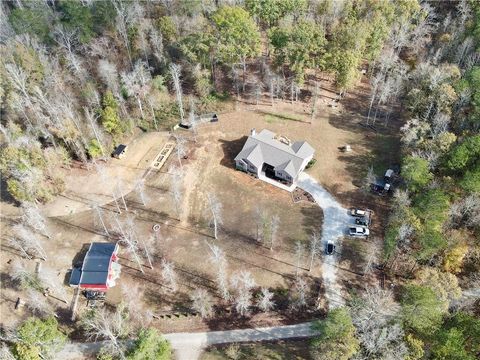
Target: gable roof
[96,265]
[264,147]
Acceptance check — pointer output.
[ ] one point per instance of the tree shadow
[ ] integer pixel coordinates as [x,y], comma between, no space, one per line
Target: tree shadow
[5,196]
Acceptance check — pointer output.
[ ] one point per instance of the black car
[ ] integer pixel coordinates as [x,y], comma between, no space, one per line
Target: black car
[330,248]
[94,295]
[362,221]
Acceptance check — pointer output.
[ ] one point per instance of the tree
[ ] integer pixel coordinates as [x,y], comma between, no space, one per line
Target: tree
[271,11]
[34,218]
[237,35]
[422,310]
[243,283]
[28,242]
[450,345]
[169,275]
[78,16]
[202,302]
[215,207]
[300,46]
[375,317]
[314,248]
[176,72]
[299,252]
[177,180]
[34,20]
[109,114]
[416,173]
[22,277]
[38,339]
[150,345]
[463,155]
[112,326]
[265,301]
[298,294]
[337,337]
[219,262]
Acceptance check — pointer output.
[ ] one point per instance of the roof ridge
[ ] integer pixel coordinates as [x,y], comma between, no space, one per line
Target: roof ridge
[262,141]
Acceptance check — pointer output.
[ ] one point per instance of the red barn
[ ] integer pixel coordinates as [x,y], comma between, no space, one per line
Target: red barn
[100,268]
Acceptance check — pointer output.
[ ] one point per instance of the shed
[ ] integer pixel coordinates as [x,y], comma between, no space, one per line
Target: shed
[99,269]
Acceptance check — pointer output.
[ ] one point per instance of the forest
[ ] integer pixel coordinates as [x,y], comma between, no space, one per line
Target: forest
[78,77]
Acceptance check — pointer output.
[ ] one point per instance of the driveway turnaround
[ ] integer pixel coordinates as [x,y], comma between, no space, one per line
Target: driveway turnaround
[188,346]
[335,223]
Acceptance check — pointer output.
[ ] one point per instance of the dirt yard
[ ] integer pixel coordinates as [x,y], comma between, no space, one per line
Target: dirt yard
[185,231]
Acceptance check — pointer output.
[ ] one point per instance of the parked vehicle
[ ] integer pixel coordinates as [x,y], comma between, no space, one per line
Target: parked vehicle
[358,212]
[330,248]
[363,221]
[120,151]
[358,231]
[388,176]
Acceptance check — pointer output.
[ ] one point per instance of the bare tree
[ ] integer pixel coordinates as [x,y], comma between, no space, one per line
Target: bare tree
[219,262]
[37,302]
[67,40]
[28,242]
[169,275]
[108,73]
[112,327]
[99,215]
[243,283]
[92,119]
[369,262]
[127,16]
[140,189]
[299,252]
[34,218]
[298,296]
[129,238]
[176,71]
[274,226]
[202,302]
[315,100]
[137,83]
[22,277]
[265,301]
[373,315]
[5,352]
[130,296]
[180,147]
[215,207]
[314,248]
[177,181]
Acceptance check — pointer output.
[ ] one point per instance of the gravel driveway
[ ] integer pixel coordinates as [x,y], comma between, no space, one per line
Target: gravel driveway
[188,346]
[335,223]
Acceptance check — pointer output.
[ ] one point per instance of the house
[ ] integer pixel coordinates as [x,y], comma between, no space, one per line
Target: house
[99,269]
[274,159]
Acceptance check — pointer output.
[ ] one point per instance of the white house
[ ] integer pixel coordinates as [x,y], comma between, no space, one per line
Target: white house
[274,159]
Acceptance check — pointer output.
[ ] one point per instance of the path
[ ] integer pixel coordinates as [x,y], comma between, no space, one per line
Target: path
[188,346]
[335,223]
